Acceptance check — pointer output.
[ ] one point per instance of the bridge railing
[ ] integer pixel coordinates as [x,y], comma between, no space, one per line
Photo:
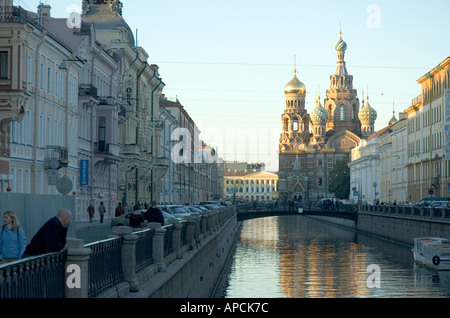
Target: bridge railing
[106,265]
[308,206]
[35,277]
[408,211]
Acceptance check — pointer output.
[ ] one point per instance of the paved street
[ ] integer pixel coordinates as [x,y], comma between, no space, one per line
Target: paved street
[93,232]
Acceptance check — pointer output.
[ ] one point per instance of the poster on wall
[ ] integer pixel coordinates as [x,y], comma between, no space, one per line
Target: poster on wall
[447,123]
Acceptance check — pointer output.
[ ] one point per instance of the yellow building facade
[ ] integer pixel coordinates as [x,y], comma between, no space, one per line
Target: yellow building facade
[428,139]
[250,186]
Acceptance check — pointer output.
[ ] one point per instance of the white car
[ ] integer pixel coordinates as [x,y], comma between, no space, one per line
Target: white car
[179,211]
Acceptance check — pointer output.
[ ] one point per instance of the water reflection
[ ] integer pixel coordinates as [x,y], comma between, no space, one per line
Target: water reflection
[298,257]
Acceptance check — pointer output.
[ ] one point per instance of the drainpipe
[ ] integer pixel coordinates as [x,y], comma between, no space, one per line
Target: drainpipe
[153,130]
[36,109]
[66,97]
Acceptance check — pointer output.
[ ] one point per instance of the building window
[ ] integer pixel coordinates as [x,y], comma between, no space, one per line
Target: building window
[342,111]
[4,65]
[42,77]
[49,80]
[295,126]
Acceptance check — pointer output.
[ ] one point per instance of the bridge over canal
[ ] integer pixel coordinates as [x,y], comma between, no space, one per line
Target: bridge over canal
[249,211]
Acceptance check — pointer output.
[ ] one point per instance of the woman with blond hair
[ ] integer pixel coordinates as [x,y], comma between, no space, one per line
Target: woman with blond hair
[12,238]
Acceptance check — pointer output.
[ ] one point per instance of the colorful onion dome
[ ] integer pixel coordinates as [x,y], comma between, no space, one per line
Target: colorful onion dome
[319,114]
[341,46]
[295,86]
[367,114]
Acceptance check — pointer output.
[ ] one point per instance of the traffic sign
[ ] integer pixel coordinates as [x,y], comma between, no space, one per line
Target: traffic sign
[64,185]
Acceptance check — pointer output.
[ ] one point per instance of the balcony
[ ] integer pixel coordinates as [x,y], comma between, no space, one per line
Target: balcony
[107,152]
[56,157]
[160,167]
[87,90]
[12,14]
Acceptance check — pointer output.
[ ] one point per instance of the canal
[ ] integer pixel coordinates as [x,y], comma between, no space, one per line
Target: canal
[300,257]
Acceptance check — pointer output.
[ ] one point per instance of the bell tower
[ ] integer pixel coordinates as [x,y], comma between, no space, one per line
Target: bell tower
[342,103]
[295,120]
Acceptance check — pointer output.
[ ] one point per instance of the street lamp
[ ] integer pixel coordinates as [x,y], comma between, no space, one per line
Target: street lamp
[357,182]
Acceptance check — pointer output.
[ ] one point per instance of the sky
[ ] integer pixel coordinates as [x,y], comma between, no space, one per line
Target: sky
[228,61]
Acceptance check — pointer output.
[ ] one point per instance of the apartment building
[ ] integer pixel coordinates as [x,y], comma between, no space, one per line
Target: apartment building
[428,147]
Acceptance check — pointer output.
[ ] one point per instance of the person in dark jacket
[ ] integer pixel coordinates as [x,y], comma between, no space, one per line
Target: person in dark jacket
[153,214]
[51,237]
[136,218]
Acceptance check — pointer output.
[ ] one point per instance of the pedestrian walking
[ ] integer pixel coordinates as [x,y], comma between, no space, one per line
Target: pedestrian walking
[52,236]
[154,215]
[101,211]
[119,210]
[91,211]
[12,239]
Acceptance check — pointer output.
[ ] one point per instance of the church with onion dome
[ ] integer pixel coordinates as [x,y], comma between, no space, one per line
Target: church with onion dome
[311,143]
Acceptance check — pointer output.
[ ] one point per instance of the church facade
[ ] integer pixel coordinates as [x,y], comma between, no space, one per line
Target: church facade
[311,143]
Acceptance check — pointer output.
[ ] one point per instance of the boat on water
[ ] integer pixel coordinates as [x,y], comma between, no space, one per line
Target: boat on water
[433,252]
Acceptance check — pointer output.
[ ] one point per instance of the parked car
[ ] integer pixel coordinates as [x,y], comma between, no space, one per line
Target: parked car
[201,207]
[426,202]
[209,202]
[193,209]
[124,219]
[179,211]
[212,206]
[440,204]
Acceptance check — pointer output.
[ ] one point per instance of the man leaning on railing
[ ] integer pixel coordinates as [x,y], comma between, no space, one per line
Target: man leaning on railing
[51,237]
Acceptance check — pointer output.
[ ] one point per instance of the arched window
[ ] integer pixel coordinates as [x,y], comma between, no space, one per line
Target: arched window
[342,112]
[295,127]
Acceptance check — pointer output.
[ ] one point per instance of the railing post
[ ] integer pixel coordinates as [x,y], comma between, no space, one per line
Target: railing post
[77,269]
[204,220]
[216,220]
[176,238]
[158,245]
[129,261]
[190,230]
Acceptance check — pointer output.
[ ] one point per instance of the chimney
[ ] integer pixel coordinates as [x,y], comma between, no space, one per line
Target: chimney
[44,10]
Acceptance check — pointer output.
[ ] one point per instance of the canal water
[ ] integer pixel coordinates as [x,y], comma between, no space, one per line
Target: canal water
[299,257]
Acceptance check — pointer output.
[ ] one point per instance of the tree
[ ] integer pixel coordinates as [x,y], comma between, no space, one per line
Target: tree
[339,179]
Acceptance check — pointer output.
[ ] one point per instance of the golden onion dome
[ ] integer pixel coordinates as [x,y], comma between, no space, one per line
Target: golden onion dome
[295,86]
[367,114]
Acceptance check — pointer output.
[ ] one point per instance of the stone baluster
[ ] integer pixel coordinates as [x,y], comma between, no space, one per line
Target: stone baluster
[176,238]
[158,245]
[77,269]
[128,254]
[204,220]
[190,231]
[129,261]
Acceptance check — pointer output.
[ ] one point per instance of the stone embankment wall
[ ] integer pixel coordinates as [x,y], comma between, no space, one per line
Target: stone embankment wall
[196,273]
[397,224]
